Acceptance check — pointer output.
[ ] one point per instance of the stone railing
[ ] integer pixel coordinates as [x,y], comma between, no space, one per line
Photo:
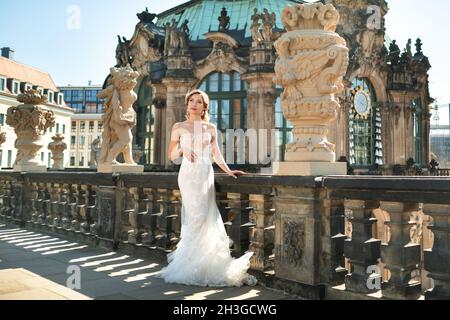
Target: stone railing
[327,237]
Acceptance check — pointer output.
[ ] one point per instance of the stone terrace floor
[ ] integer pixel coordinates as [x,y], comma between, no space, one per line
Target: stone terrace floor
[35,266]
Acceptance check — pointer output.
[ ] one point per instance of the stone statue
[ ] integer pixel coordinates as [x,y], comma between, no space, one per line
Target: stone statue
[95,152]
[312,61]
[57,148]
[224,21]
[30,122]
[174,38]
[394,53]
[122,52]
[408,47]
[167,39]
[268,22]
[256,33]
[184,35]
[119,118]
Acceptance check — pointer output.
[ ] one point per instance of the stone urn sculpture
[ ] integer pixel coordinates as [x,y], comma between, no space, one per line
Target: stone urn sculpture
[57,148]
[312,62]
[30,121]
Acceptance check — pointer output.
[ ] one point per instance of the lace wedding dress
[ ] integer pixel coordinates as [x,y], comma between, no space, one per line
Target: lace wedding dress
[202,257]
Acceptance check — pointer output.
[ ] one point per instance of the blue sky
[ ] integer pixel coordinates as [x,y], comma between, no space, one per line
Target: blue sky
[41,37]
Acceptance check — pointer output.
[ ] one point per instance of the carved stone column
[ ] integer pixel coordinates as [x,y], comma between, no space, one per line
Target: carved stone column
[400,255]
[312,62]
[30,122]
[160,104]
[57,148]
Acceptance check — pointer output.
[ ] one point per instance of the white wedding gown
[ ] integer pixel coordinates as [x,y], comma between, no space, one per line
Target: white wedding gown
[202,257]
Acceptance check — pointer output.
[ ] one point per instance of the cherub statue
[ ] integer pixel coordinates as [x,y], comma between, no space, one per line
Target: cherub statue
[119,117]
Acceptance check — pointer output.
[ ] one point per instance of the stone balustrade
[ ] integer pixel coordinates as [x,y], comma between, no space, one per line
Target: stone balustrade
[327,237]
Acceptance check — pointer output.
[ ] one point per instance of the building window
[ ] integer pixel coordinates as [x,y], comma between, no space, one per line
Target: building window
[72,161]
[64,129]
[9,159]
[365,143]
[50,129]
[2,84]
[42,156]
[15,87]
[91,126]
[60,98]
[1,158]
[73,141]
[50,97]
[2,119]
[57,128]
[82,141]
[82,126]
[49,162]
[74,126]
[81,163]
[100,126]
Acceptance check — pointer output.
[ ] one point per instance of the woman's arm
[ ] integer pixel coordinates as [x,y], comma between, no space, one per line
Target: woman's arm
[218,158]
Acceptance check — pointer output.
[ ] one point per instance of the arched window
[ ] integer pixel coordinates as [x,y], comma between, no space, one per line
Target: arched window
[365,143]
[228,100]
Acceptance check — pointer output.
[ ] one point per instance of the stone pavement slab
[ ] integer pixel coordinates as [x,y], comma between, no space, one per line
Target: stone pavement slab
[104,274]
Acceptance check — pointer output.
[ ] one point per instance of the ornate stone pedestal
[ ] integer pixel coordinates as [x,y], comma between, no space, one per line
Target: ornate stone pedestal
[30,122]
[312,61]
[119,168]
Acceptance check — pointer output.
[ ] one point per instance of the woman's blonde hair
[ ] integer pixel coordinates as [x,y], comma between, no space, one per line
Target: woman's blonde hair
[205,113]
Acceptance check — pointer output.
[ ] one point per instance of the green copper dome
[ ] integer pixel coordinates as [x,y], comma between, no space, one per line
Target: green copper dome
[203,15]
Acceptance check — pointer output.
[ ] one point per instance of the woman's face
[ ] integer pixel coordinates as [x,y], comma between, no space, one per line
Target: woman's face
[196,105]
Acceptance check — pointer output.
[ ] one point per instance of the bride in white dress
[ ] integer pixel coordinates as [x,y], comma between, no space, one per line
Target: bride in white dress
[202,257]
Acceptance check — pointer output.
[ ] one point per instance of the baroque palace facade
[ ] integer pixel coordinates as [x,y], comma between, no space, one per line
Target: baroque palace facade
[226,49]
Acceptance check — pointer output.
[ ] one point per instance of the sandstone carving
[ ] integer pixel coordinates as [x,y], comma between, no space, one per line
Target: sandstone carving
[57,148]
[30,122]
[312,62]
[119,117]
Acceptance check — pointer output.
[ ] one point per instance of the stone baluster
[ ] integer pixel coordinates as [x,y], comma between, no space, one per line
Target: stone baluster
[239,230]
[362,250]
[77,207]
[336,225]
[437,260]
[155,212]
[62,204]
[263,234]
[174,219]
[45,204]
[39,202]
[161,233]
[400,256]
[71,206]
[34,193]
[86,218]
[55,199]
[147,219]
[93,212]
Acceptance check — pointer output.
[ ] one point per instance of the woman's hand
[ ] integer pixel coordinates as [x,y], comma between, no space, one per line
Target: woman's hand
[190,155]
[236,173]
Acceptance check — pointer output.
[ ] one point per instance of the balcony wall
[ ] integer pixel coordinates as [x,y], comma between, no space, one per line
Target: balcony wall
[325,237]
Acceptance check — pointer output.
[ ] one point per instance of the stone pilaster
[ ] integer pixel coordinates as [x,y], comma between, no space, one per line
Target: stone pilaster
[160,104]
